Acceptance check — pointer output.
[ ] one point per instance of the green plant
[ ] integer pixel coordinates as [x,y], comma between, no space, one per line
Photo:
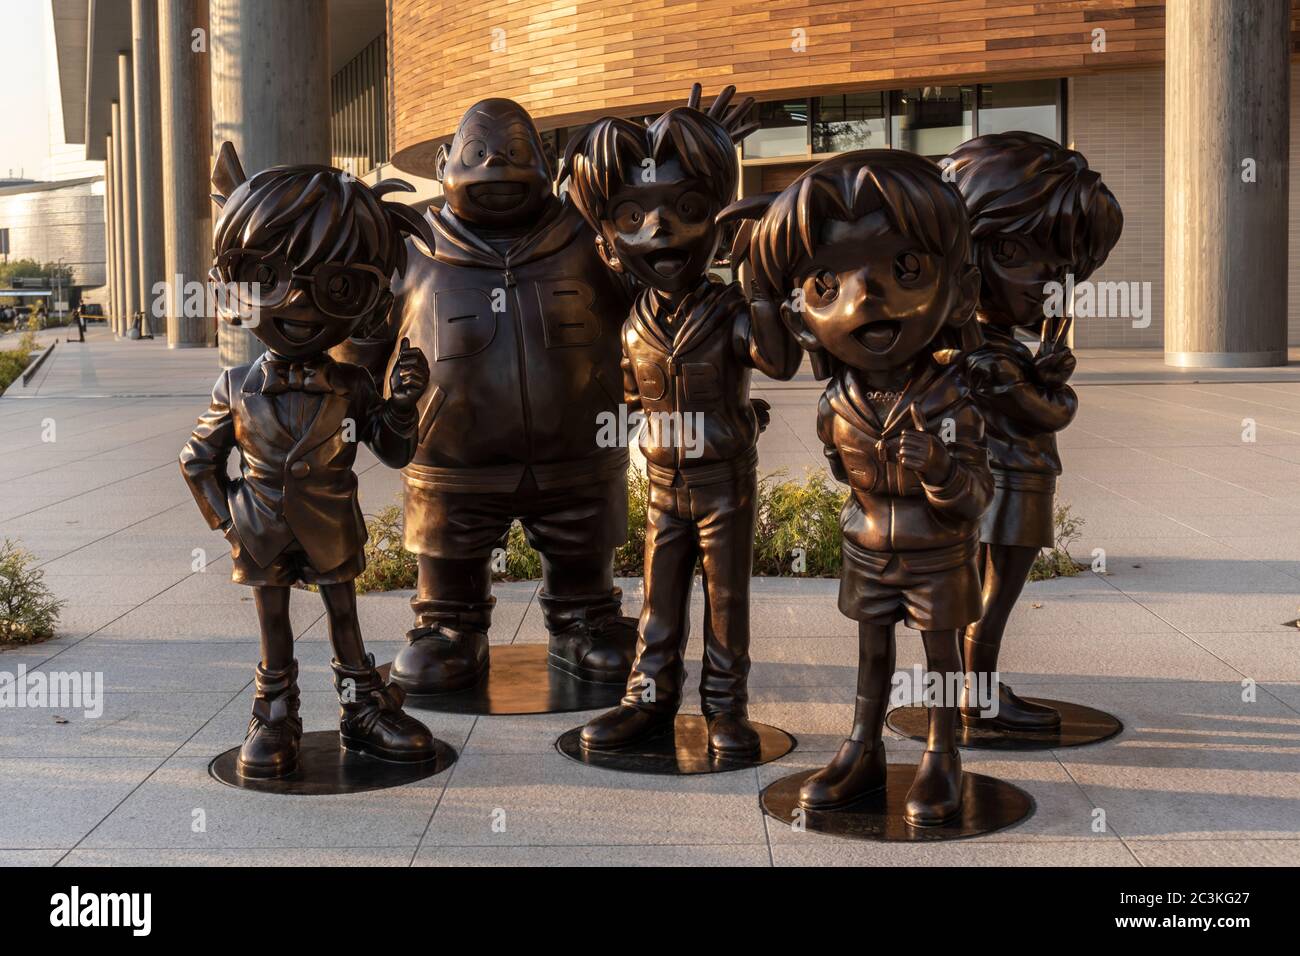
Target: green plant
[13,361]
[798,526]
[1055,562]
[29,612]
[389,567]
[629,560]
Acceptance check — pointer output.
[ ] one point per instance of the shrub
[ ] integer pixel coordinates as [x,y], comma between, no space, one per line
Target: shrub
[1056,561]
[29,612]
[791,515]
[13,361]
[798,519]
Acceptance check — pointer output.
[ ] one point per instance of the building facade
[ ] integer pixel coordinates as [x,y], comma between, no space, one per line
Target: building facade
[1160,97]
[59,222]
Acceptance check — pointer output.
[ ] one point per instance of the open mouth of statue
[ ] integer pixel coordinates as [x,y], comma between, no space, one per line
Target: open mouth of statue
[667,262]
[877,336]
[498,197]
[297,332]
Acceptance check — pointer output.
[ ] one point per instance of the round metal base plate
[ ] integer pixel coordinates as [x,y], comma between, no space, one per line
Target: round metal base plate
[684,751]
[987,804]
[326,769]
[520,680]
[1079,725]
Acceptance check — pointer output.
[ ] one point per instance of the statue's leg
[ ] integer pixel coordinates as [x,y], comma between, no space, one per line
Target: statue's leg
[654,687]
[271,744]
[858,768]
[1004,568]
[935,795]
[724,517]
[452,535]
[371,719]
[576,531]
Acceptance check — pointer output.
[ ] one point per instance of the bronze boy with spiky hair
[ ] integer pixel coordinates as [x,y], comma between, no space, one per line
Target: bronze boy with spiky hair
[652,193]
[1038,214]
[871,252]
[304,255]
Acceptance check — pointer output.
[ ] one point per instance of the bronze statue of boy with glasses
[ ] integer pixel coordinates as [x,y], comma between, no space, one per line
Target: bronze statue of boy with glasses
[303,258]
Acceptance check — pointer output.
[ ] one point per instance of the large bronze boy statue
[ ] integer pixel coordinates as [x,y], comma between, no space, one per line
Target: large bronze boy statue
[1038,214]
[304,255]
[871,252]
[521,319]
[689,346]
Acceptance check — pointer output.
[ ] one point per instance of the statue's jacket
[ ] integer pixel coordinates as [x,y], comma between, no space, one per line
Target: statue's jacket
[890,510]
[296,480]
[693,382]
[1021,415]
[524,352]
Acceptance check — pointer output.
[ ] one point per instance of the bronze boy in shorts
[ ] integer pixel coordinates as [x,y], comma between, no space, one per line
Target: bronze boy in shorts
[308,252]
[871,252]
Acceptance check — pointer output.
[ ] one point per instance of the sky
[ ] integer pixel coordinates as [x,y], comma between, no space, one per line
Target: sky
[26,67]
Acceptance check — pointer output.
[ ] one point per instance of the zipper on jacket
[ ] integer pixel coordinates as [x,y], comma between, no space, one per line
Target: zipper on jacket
[521,360]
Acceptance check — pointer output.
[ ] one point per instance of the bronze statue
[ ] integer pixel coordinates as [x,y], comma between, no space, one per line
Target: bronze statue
[1038,215]
[870,252]
[520,316]
[304,254]
[651,192]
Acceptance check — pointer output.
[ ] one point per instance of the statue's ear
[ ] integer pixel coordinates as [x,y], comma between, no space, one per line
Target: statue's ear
[227,173]
[440,161]
[607,255]
[552,159]
[968,296]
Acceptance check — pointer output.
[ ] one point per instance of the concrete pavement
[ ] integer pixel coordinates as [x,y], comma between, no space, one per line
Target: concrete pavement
[1184,638]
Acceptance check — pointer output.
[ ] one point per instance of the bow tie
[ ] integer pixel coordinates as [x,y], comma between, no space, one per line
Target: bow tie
[279,377]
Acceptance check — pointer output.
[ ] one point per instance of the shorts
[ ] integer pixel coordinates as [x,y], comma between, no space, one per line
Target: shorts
[580,520]
[936,590]
[291,566]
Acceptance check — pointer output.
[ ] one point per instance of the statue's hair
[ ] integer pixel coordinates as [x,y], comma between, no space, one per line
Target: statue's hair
[909,189]
[1024,184]
[598,162]
[315,214]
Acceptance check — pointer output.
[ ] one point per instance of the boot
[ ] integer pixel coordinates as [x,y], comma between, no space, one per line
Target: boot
[372,721]
[732,735]
[1013,713]
[855,771]
[590,640]
[935,796]
[270,747]
[624,726]
[440,659]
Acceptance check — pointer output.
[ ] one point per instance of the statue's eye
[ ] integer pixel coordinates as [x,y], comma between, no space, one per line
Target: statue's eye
[519,152]
[823,285]
[475,152]
[1006,252]
[907,267]
[340,288]
[628,217]
[692,207]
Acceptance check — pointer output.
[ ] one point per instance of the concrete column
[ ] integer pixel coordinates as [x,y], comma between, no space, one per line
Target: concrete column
[119,225]
[148,156]
[1227,129]
[270,97]
[110,237]
[186,119]
[126,161]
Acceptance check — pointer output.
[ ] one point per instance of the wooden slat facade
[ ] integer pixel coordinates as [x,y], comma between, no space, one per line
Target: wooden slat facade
[569,61]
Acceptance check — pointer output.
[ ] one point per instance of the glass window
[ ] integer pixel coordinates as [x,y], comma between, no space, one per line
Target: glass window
[1028,106]
[784,131]
[851,121]
[932,120]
